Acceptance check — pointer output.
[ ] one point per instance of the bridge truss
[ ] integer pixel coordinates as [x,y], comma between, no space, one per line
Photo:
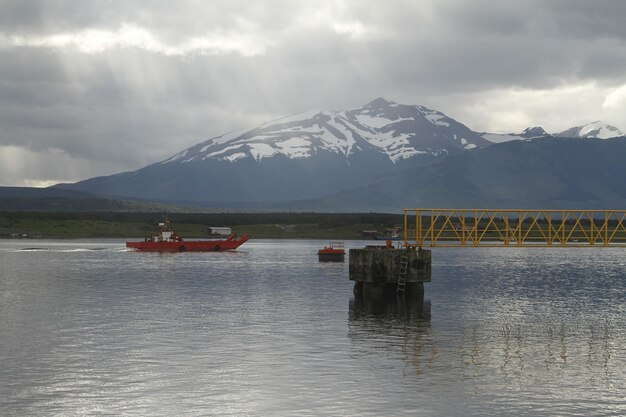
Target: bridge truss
[513,228]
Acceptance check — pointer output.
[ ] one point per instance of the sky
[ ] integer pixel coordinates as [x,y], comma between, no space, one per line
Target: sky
[97,87]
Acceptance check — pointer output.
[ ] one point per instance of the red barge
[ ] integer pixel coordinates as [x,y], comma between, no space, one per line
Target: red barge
[166,240]
[333,252]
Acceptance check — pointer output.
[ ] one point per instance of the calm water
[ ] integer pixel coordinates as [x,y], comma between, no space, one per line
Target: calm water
[88,328]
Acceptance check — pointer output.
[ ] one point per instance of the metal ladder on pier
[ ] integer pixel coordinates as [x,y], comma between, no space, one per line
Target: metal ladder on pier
[404,269]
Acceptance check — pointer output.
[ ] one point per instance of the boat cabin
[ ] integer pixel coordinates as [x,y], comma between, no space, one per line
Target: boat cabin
[219,231]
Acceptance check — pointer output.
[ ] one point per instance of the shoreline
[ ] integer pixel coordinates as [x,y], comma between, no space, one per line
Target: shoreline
[328,226]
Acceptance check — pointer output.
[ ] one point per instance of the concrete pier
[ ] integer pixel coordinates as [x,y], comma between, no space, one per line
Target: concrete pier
[376,270]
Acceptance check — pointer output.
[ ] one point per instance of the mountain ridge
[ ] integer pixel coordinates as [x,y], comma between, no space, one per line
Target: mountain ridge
[593,130]
[397,130]
[307,155]
[547,173]
[311,155]
[597,129]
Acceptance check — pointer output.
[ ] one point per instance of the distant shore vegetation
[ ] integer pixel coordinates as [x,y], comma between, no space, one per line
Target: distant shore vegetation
[65,225]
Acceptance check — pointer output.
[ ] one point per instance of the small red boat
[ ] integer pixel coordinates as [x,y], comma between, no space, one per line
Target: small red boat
[333,252]
[166,240]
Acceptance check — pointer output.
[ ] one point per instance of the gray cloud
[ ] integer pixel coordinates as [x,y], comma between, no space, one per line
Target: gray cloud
[113,85]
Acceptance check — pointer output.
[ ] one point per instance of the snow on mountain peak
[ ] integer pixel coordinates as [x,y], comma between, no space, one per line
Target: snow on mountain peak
[534,132]
[379,128]
[597,129]
[380,102]
[435,117]
[298,117]
[394,130]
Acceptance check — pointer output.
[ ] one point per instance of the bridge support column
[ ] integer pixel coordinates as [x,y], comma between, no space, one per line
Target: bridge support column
[376,270]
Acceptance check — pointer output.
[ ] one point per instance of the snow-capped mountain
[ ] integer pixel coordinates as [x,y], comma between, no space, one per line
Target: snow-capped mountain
[551,173]
[307,155]
[528,133]
[534,132]
[597,129]
[397,131]
[310,155]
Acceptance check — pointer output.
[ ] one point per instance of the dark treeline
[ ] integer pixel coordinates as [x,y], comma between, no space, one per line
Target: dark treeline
[327,220]
[219,219]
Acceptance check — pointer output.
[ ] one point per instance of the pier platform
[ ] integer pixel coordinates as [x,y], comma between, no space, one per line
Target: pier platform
[384,270]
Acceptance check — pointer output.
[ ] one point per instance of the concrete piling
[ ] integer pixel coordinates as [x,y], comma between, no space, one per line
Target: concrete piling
[376,270]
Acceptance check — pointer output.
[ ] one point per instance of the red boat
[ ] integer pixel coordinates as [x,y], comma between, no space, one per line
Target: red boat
[166,240]
[333,252]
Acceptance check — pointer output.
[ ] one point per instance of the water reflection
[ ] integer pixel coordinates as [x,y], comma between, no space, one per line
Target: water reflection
[491,350]
[396,308]
[560,349]
[265,331]
[395,322]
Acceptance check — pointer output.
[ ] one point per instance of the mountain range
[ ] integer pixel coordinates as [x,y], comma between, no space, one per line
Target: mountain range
[381,155]
[551,173]
[594,130]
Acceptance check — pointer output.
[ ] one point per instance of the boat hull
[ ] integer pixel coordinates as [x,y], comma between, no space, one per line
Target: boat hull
[331,255]
[189,245]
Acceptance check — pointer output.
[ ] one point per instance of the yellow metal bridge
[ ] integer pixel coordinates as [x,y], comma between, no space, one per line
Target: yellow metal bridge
[513,228]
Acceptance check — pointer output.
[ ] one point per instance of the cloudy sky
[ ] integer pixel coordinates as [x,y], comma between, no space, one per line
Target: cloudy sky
[96,87]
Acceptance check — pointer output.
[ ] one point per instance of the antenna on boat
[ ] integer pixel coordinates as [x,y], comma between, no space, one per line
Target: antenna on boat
[166,220]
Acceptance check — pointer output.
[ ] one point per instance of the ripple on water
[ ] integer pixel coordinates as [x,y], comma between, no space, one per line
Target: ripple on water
[90,328]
